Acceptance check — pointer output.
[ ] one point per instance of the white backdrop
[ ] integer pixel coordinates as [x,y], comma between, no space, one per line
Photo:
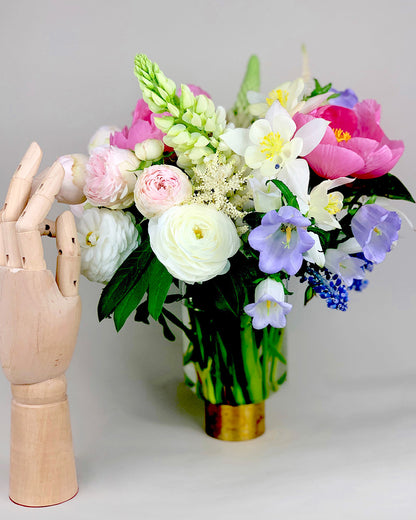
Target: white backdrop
[340,434]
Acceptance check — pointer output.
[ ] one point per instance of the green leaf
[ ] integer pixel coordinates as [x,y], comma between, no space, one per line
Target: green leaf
[251,81]
[318,90]
[142,313]
[282,379]
[309,294]
[287,194]
[160,281]
[387,185]
[131,301]
[166,330]
[124,279]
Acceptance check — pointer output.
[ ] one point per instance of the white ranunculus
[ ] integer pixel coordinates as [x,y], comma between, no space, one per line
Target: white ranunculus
[107,237]
[194,241]
[102,137]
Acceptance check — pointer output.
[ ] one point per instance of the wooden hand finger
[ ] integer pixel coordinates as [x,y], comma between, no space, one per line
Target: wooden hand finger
[69,258]
[27,227]
[47,228]
[20,185]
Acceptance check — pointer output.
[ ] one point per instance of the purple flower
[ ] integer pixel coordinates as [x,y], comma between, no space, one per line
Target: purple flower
[270,307]
[348,268]
[281,240]
[375,229]
[347,98]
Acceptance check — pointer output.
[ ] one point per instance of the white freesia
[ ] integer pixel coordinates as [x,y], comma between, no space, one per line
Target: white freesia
[102,137]
[266,196]
[194,241]
[107,237]
[290,95]
[323,206]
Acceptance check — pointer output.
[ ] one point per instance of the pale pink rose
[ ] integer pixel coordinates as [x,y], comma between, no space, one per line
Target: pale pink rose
[111,177]
[160,187]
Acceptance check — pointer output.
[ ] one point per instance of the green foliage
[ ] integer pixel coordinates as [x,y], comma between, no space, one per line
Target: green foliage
[131,301]
[387,185]
[160,281]
[309,294]
[319,89]
[239,113]
[125,279]
[286,193]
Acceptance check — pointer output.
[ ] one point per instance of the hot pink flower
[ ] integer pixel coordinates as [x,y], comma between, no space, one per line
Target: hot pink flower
[160,187]
[354,143]
[142,128]
[111,177]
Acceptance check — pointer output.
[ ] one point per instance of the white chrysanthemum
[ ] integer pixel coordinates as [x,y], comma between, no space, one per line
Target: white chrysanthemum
[107,237]
[194,241]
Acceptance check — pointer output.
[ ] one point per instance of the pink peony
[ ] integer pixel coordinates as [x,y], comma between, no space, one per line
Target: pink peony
[142,128]
[354,143]
[111,177]
[160,187]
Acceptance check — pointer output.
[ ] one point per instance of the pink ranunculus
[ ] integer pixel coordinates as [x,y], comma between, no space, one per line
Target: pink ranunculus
[354,143]
[160,187]
[111,177]
[142,127]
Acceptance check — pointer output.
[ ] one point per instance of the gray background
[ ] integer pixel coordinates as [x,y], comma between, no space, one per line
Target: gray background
[340,435]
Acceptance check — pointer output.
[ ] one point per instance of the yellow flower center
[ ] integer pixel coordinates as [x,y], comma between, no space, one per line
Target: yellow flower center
[91,239]
[269,304]
[272,145]
[377,231]
[341,135]
[198,232]
[277,95]
[334,203]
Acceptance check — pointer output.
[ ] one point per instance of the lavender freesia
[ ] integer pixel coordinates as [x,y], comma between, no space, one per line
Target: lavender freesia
[375,229]
[281,239]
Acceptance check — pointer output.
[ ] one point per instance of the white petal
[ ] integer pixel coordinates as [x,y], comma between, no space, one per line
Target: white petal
[254,158]
[237,139]
[314,102]
[270,287]
[315,254]
[258,130]
[295,174]
[350,246]
[312,133]
[285,126]
[276,110]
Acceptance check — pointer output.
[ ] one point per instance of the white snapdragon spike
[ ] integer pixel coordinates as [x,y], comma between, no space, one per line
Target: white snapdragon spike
[194,241]
[347,267]
[269,307]
[102,137]
[107,237]
[315,255]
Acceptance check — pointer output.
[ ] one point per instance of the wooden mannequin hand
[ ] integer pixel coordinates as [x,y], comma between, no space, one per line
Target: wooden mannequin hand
[39,321]
[39,318]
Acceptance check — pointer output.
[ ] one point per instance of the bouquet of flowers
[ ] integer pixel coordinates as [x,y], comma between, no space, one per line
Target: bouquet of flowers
[218,210]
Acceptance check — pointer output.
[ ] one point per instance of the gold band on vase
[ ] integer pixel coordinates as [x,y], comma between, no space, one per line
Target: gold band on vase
[234,423]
